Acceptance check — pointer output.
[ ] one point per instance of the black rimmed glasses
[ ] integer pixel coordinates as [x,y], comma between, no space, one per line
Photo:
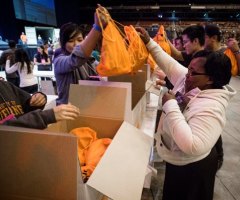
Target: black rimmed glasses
[185,41]
[192,73]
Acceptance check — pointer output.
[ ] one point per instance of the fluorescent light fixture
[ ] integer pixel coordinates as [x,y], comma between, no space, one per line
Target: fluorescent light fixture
[198,7]
[155,7]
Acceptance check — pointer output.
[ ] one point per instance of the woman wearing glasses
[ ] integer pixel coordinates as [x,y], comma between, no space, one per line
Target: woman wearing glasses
[193,119]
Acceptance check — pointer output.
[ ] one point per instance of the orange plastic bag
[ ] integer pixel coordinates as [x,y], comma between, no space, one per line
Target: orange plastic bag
[136,48]
[94,155]
[232,57]
[115,59]
[86,136]
[161,39]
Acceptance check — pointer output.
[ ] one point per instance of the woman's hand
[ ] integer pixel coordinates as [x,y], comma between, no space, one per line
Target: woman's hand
[143,34]
[66,112]
[102,17]
[168,96]
[38,99]
[160,77]
[9,57]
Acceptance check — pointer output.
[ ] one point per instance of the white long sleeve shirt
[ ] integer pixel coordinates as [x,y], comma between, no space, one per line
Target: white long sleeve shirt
[25,78]
[188,136]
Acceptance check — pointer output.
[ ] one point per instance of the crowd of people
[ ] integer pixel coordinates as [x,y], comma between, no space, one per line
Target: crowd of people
[188,137]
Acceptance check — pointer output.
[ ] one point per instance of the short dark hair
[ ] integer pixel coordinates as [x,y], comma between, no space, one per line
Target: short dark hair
[179,38]
[68,31]
[211,30]
[195,31]
[218,66]
[11,43]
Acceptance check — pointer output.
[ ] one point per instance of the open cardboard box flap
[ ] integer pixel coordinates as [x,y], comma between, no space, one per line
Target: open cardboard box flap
[137,81]
[116,87]
[102,102]
[121,171]
[133,116]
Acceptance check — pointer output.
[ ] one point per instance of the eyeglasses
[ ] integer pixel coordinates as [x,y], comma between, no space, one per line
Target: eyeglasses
[185,41]
[196,74]
[191,73]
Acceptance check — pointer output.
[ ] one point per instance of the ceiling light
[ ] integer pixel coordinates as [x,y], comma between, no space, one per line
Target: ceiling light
[198,7]
[155,7]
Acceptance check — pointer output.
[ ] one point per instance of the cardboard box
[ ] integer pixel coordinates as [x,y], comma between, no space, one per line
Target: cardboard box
[133,116]
[39,164]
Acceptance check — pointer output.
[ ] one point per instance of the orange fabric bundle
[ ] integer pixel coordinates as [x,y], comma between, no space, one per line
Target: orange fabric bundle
[161,39]
[136,49]
[90,149]
[94,155]
[115,59]
[233,59]
[85,137]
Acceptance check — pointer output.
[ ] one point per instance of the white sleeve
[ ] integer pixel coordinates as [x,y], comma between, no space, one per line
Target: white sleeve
[11,69]
[172,68]
[198,134]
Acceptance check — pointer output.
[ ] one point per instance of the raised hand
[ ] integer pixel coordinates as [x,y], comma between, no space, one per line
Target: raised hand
[101,16]
[143,34]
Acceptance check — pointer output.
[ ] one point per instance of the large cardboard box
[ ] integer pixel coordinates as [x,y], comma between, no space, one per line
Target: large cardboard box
[39,164]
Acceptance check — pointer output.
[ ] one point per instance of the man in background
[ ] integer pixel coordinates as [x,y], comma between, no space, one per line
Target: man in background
[12,77]
[23,37]
[179,43]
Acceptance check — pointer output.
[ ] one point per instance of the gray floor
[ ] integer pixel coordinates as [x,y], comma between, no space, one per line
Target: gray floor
[227,184]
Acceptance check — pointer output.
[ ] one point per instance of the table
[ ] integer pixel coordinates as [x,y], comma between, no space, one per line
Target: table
[51,102]
[43,74]
[3,75]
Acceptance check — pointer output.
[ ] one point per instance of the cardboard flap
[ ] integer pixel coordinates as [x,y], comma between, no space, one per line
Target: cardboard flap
[127,86]
[121,171]
[137,81]
[37,164]
[102,102]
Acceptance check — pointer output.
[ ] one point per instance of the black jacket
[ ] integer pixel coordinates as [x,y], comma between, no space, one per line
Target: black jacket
[15,101]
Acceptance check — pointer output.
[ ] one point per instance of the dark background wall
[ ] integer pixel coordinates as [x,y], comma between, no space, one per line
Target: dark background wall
[66,11]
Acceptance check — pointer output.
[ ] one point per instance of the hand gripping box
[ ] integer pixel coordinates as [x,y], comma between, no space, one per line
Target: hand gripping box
[43,164]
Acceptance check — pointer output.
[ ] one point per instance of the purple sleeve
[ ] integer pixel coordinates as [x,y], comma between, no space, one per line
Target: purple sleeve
[67,63]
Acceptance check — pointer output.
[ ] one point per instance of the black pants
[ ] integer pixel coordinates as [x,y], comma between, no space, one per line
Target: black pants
[14,81]
[31,89]
[219,148]
[194,181]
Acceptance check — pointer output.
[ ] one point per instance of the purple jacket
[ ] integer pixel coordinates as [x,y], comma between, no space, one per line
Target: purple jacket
[64,69]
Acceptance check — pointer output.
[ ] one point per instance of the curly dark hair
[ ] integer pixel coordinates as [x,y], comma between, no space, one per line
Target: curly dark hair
[218,66]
